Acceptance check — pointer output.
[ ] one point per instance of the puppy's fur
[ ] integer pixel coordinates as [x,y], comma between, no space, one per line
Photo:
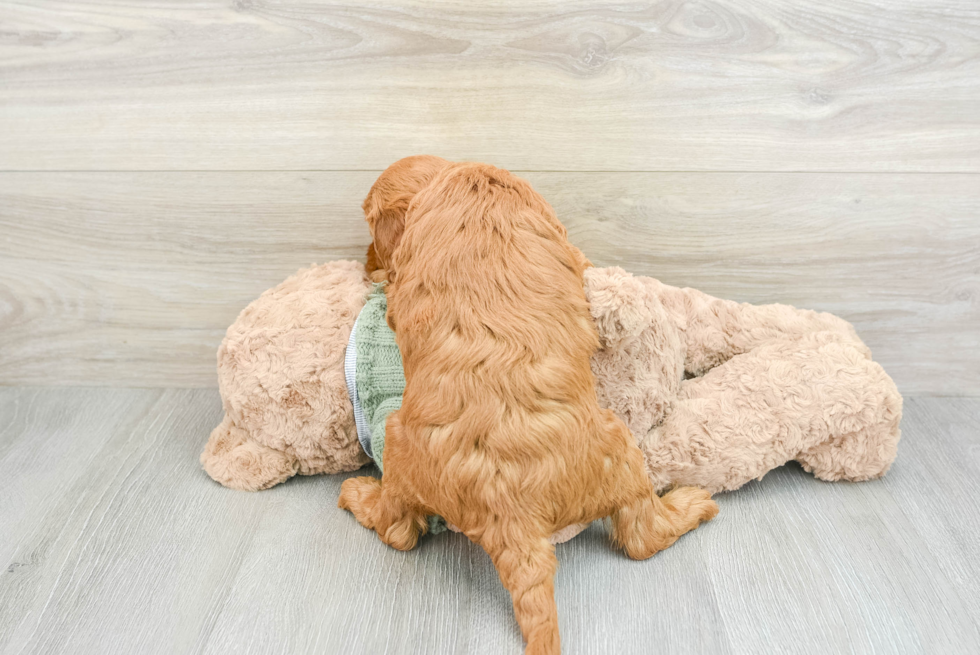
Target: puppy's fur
[499,430]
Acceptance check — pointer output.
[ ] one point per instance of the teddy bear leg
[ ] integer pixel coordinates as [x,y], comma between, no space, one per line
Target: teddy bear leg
[818,400]
[703,443]
[241,464]
[865,420]
[862,455]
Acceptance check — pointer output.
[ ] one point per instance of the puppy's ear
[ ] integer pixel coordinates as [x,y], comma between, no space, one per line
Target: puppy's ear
[388,200]
[388,230]
[387,224]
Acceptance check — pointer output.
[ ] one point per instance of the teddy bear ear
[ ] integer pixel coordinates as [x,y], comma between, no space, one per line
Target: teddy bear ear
[618,303]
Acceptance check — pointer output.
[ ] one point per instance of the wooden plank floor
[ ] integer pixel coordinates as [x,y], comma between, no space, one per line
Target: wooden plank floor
[112,540]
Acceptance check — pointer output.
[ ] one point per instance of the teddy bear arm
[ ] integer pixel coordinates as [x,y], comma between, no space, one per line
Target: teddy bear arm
[714,330]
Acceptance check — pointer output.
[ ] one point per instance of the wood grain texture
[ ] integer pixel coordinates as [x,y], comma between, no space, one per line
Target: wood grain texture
[845,85]
[114,541]
[132,278]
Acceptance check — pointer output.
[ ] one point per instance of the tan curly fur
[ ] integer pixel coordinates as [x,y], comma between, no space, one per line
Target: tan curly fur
[718,393]
[281,377]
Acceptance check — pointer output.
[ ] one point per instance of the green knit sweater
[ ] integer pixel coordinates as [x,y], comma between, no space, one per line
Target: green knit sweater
[380,377]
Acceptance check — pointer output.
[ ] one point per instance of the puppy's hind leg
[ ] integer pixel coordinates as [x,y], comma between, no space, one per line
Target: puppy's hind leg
[377,508]
[527,571]
[386,506]
[653,523]
[644,523]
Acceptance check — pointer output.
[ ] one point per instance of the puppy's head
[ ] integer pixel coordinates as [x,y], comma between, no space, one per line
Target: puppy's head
[386,204]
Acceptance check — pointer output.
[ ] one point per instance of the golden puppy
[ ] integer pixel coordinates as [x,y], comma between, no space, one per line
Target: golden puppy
[499,430]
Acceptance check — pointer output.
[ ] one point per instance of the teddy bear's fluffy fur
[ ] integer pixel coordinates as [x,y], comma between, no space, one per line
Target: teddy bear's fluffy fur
[281,378]
[716,393]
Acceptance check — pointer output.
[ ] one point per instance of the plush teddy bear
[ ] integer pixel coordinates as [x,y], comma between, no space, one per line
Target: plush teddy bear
[716,393]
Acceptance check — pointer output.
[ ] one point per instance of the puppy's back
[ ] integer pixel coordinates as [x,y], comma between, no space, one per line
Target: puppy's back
[491,318]
[484,260]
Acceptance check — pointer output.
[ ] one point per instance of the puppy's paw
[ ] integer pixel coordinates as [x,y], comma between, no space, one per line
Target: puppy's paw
[360,497]
[403,533]
[690,505]
[653,524]
[395,523]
